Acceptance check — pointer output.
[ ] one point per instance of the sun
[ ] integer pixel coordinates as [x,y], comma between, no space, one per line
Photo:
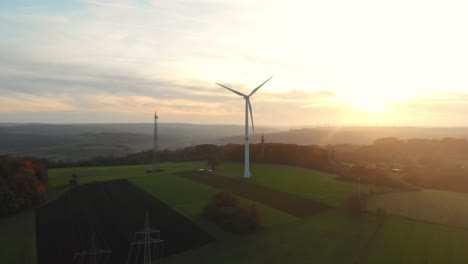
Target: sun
[369,105]
[372,102]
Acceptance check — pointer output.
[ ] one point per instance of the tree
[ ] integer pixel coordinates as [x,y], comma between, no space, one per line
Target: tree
[231,214]
[22,184]
[213,161]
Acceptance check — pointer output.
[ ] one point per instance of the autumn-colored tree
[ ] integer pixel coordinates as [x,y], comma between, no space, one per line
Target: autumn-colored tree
[22,184]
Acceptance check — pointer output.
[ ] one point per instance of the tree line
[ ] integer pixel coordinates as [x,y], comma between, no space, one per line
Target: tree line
[409,151]
[289,154]
[425,163]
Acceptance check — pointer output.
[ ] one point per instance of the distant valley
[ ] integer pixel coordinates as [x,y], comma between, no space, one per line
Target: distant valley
[72,142]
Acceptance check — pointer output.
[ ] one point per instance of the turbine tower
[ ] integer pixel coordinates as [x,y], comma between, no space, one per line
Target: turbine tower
[155,142]
[263,141]
[248,109]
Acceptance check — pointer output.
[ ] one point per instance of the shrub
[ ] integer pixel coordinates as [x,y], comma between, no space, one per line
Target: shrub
[228,212]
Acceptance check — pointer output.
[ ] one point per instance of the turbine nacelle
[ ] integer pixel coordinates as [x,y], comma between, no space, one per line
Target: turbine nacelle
[247,99]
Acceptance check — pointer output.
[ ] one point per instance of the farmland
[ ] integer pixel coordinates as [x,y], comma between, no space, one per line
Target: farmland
[406,241]
[331,236]
[442,207]
[64,224]
[314,185]
[289,203]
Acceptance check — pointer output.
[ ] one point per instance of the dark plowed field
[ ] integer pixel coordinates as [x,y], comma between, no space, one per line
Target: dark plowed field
[114,211]
[286,202]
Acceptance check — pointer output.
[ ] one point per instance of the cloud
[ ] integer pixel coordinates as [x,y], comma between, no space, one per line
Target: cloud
[26,76]
[28,103]
[129,57]
[139,105]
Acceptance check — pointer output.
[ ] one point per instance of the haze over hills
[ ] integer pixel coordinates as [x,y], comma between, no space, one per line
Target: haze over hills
[349,135]
[82,141]
[195,131]
[71,142]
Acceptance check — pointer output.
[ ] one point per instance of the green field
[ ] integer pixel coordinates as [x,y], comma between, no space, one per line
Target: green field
[435,206]
[333,236]
[406,241]
[315,185]
[18,238]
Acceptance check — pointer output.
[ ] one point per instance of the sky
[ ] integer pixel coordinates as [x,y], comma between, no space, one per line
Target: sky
[336,62]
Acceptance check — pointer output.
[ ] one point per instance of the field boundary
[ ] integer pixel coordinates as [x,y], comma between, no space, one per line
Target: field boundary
[289,203]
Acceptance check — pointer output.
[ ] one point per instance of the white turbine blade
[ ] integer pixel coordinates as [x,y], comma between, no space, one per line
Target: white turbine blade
[251,115]
[232,90]
[260,86]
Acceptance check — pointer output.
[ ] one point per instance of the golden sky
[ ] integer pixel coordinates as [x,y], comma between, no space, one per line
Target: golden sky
[334,62]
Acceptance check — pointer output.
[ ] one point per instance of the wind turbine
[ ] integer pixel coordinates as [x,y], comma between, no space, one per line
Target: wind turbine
[248,109]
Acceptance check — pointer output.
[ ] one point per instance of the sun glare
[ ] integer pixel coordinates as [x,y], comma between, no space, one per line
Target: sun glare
[376,102]
[370,105]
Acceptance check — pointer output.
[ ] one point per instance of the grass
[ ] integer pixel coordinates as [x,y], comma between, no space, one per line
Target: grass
[17,232]
[442,207]
[113,210]
[330,237]
[58,178]
[189,198]
[312,184]
[406,241]
[18,238]
[321,239]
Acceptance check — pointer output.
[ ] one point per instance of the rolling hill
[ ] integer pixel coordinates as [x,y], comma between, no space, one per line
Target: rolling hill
[348,135]
[71,142]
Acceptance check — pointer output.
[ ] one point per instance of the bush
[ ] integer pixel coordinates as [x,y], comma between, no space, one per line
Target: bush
[357,203]
[227,211]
